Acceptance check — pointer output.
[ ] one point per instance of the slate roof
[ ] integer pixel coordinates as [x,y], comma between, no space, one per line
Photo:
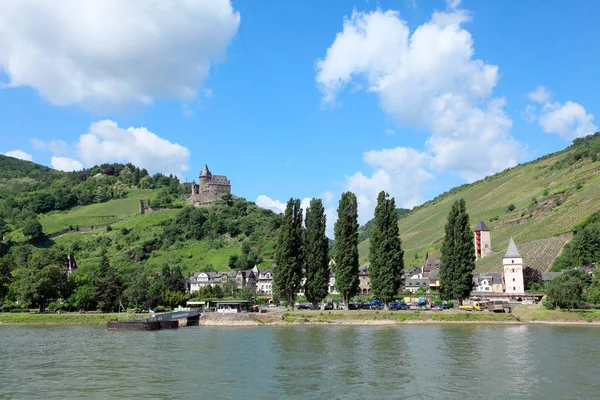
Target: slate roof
[481,226]
[205,171]
[512,251]
[494,277]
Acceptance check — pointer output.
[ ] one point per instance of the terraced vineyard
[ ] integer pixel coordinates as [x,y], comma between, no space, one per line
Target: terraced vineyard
[97,214]
[548,202]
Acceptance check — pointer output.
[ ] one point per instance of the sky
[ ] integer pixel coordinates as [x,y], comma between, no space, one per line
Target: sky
[299,98]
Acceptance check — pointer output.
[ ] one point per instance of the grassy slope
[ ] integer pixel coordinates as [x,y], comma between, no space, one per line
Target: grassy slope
[422,230]
[97,214]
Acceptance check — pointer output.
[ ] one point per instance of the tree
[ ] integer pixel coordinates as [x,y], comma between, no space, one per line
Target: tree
[458,255]
[385,255]
[137,291]
[39,285]
[316,246]
[566,291]
[287,271]
[108,286]
[33,229]
[345,247]
[229,287]
[3,228]
[531,276]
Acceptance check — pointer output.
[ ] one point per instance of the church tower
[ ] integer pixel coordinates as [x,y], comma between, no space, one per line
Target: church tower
[513,270]
[483,241]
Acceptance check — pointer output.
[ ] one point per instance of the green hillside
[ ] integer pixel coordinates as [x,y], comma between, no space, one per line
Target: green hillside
[98,214]
[550,196]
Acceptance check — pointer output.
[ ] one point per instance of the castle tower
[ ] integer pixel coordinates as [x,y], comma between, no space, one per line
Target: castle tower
[483,241]
[513,270]
[205,176]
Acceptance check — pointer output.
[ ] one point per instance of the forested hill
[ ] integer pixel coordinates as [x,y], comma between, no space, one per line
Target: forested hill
[119,248]
[538,203]
[29,191]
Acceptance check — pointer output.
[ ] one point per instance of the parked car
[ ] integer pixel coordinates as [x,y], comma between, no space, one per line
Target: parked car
[328,306]
[353,306]
[304,307]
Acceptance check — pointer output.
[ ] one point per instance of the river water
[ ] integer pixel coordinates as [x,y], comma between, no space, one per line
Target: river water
[314,362]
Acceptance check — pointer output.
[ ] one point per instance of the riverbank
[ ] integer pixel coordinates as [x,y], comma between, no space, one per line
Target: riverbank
[520,315]
[66,318]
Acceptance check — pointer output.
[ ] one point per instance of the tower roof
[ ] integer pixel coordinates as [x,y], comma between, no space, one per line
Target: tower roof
[205,171]
[481,226]
[512,251]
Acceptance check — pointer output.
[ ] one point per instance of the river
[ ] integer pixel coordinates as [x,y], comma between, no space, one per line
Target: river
[315,362]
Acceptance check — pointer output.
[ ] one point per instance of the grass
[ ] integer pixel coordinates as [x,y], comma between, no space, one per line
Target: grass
[540,314]
[358,316]
[65,318]
[97,214]
[422,230]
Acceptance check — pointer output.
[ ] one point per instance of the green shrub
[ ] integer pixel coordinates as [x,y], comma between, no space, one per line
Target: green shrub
[511,208]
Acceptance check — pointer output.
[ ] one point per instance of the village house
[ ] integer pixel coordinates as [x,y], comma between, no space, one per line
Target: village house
[264,284]
[202,279]
[431,271]
[364,282]
[247,278]
[491,282]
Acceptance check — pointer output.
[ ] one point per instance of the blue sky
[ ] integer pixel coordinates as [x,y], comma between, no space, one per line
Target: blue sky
[299,98]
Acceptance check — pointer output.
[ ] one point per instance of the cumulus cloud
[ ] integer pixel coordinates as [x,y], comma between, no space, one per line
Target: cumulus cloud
[20,154]
[540,95]
[56,147]
[427,79]
[402,172]
[105,141]
[65,164]
[569,120]
[112,53]
[279,207]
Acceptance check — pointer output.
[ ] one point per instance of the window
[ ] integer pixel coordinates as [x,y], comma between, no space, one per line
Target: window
[512,261]
[515,289]
[513,279]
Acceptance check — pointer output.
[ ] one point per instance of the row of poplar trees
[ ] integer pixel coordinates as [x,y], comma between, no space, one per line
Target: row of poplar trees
[305,246]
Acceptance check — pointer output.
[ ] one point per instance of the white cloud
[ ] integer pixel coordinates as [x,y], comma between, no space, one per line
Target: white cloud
[270,204]
[402,172]
[540,95]
[453,4]
[389,131]
[107,142]
[569,120]
[56,147]
[65,164]
[111,53]
[426,79]
[20,154]
[279,207]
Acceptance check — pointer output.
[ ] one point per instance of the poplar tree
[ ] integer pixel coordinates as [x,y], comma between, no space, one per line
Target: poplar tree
[317,246]
[458,255]
[345,247]
[287,272]
[385,255]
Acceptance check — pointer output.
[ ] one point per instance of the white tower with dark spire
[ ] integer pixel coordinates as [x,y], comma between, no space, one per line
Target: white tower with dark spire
[513,270]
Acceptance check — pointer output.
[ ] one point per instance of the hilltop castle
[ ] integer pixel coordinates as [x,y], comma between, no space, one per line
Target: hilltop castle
[210,188]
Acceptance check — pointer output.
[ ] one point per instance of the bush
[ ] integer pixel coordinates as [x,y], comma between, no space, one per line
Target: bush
[511,208]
